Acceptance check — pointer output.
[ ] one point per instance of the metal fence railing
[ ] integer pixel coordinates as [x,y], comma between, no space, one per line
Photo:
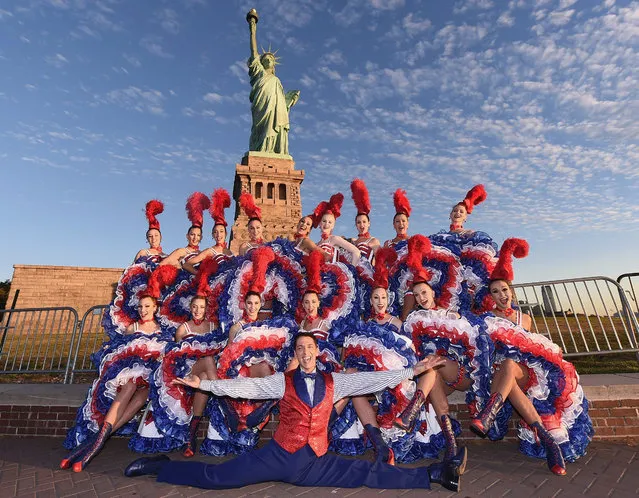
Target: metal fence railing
[629,282]
[89,338]
[37,340]
[584,316]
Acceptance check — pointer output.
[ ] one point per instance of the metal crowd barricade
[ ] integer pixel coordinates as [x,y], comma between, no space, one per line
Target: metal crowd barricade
[629,282]
[584,316]
[90,337]
[37,340]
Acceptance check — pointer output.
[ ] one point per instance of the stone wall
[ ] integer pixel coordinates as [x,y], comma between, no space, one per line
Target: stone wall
[75,286]
[614,420]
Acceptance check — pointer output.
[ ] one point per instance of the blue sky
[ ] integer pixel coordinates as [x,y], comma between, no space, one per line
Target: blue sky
[107,104]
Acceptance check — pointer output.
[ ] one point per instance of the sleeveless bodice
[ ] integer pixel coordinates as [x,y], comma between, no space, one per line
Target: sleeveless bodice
[329,249]
[317,331]
[365,248]
[220,257]
[189,255]
[190,333]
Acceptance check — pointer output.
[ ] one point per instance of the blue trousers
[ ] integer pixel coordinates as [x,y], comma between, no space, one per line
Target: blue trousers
[302,468]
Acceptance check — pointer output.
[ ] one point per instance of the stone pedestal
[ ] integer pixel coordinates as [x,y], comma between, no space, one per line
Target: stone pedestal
[275,184]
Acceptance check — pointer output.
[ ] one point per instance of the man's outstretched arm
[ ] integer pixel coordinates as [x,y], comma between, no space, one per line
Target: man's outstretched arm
[360,383]
[270,387]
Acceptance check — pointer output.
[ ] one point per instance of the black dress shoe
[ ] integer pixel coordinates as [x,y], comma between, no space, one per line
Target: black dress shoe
[458,462]
[146,466]
[445,474]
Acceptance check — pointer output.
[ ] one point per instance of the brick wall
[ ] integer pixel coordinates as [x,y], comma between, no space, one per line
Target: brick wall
[614,420]
[75,286]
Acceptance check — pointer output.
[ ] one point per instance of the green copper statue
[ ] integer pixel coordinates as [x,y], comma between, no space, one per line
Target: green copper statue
[269,103]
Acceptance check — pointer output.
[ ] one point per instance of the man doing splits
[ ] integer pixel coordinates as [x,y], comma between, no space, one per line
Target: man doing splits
[297,452]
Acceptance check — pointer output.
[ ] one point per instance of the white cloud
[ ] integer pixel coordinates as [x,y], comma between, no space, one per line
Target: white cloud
[414,26]
[57,60]
[213,98]
[506,19]
[387,4]
[153,44]
[564,4]
[561,18]
[149,100]
[168,20]
[464,6]
[131,59]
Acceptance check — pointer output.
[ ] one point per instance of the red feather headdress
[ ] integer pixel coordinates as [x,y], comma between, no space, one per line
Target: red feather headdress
[207,268]
[247,203]
[196,204]
[153,208]
[261,258]
[475,195]
[384,258]
[504,267]
[418,247]
[313,263]
[220,200]
[333,206]
[402,205]
[162,277]
[360,197]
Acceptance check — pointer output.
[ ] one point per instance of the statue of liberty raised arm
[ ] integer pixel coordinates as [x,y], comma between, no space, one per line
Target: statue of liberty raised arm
[269,103]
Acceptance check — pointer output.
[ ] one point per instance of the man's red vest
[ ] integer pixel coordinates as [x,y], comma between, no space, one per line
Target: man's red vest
[299,423]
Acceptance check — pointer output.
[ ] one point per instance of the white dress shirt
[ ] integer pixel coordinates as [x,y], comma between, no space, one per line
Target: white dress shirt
[273,386]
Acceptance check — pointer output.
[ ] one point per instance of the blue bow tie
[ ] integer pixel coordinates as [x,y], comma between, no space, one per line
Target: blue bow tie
[308,375]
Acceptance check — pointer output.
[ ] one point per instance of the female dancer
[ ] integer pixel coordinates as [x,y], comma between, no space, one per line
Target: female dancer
[204,367]
[531,366]
[254,225]
[153,235]
[303,243]
[433,329]
[461,210]
[122,384]
[378,345]
[254,345]
[399,243]
[325,215]
[364,242]
[476,250]
[220,200]
[400,222]
[195,206]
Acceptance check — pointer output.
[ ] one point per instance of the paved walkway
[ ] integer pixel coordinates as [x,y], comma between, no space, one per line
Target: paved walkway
[28,468]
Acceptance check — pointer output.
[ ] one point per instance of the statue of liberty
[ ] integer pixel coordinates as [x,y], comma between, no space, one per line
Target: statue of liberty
[269,103]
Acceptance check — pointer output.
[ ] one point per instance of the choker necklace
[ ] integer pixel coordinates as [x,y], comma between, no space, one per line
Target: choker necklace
[197,322]
[365,235]
[158,249]
[380,316]
[401,236]
[456,226]
[246,317]
[325,236]
[193,248]
[310,319]
[259,241]
[142,322]
[222,245]
[507,312]
[299,236]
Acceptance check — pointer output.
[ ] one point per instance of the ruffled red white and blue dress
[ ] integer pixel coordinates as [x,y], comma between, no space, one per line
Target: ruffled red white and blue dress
[553,388]
[377,346]
[125,358]
[257,342]
[166,425]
